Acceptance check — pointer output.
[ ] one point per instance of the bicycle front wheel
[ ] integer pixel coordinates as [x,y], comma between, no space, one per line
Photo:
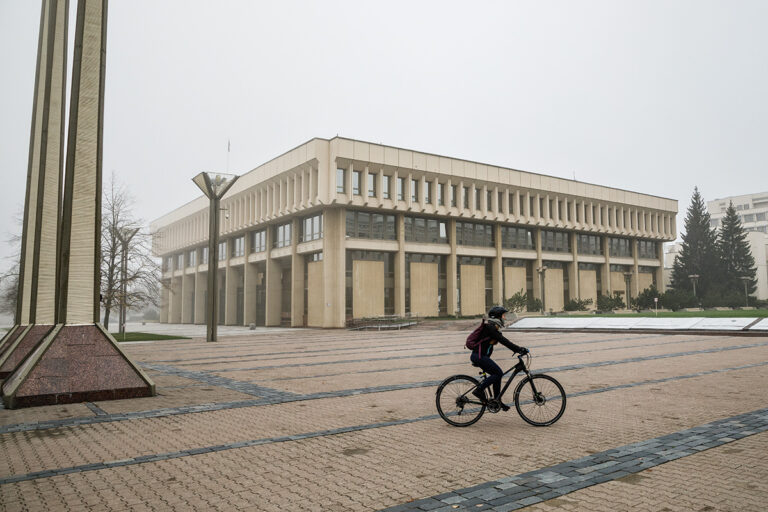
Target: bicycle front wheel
[455,401]
[540,400]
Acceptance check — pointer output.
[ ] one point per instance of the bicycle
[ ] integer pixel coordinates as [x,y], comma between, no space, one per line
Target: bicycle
[539,399]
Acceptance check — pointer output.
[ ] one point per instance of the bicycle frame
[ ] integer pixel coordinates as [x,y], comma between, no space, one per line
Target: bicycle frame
[519,367]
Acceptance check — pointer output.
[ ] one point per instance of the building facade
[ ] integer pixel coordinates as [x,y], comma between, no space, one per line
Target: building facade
[340,229]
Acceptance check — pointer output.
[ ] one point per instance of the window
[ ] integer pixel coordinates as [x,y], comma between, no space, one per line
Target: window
[453,195]
[312,228]
[414,190]
[179,261]
[238,246]
[511,201]
[385,186]
[376,226]
[192,258]
[400,189]
[466,197]
[555,241]
[441,194]
[428,193]
[517,238]
[620,247]
[431,231]
[259,241]
[222,251]
[647,249]
[204,255]
[499,201]
[167,263]
[749,217]
[478,195]
[488,199]
[341,180]
[470,233]
[760,216]
[590,244]
[283,235]
[371,184]
[356,182]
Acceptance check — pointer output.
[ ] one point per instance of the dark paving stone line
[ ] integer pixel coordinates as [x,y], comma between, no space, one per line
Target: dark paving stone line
[391,358]
[192,409]
[561,479]
[215,380]
[384,370]
[95,409]
[518,491]
[257,356]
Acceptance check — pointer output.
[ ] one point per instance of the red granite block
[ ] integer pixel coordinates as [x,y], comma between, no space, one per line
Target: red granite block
[35,335]
[10,339]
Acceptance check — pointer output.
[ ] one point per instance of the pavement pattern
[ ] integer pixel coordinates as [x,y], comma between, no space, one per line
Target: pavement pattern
[346,421]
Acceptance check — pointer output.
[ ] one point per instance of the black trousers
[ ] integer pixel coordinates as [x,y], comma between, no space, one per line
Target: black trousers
[493,371]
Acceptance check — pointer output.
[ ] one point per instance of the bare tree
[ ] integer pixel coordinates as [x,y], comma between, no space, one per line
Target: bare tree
[142,279]
[9,279]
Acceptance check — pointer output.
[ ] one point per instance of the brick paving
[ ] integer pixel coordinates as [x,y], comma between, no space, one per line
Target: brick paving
[336,420]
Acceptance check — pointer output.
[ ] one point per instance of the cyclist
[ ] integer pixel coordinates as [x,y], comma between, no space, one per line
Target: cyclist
[482,355]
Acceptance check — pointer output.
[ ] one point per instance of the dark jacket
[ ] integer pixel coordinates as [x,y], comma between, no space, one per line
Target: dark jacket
[490,332]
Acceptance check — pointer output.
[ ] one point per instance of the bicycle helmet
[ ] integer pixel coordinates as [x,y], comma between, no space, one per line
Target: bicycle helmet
[496,315]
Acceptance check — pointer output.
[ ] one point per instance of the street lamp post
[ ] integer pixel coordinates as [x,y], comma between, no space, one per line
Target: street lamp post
[694,278]
[125,235]
[542,270]
[214,186]
[746,293]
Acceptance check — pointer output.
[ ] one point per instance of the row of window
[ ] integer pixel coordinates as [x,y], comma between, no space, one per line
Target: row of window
[558,209]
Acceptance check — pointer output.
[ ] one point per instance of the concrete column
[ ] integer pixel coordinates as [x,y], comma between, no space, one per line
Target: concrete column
[175,301]
[164,305]
[497,270]
[188,298]
[516,204]
[334,268]
[250,276]
[273,285]
[660,269]
[232,282]
[605,274]
[539,262]
[573,268]
[201,285]
[451,284]
[635,269]
[400,290]
[297,272]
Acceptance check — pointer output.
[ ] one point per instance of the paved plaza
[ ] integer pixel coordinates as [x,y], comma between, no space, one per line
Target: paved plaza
[293,420]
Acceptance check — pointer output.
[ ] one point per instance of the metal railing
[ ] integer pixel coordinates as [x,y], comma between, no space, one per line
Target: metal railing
[384,322]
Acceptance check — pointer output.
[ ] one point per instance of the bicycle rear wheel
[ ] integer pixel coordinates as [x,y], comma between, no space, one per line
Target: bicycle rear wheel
[540,400]
[455,401]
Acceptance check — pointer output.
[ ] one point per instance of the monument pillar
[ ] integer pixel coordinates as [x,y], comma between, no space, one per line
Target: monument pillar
[79,360]
[36,297]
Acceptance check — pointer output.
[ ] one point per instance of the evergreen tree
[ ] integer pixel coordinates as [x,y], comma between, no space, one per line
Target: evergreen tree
[734,252]
[698,254]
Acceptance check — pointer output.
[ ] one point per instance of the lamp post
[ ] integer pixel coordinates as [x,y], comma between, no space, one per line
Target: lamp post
[214,185]
[746,293]
[628,287]
[125,235]
[542,270]
[694,278]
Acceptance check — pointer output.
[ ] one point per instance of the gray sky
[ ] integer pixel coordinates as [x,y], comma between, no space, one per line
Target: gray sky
[651,96]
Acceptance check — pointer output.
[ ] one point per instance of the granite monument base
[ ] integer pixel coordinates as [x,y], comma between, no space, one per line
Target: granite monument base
[75,363]
[22,346]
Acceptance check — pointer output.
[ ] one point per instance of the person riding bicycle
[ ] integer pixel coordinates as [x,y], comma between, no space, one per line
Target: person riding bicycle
[481,357]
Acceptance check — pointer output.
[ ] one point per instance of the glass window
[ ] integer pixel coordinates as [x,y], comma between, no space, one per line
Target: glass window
[371,184]
[259,241]
[238,246]
[385,186]
[428,193]
[466,197]
[647,249]
[760,216]
[367,225]
[470,233]
[441,194]
[419,229]
[749,217]
[356,182]
[414,190]
[478,193]
[555,241]
[620,247]
[400,189]
[192,258]
[312,228]
[283,235]
[222,251]
[499,200]
[590,244]
[453,195]
[167,263]
[179,261]
[341,180]
[204,255]
[517,238]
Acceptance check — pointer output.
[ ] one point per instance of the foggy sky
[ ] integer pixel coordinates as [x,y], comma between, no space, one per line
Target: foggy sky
[652,96]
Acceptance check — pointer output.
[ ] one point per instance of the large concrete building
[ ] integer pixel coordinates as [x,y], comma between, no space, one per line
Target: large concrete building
[340,229]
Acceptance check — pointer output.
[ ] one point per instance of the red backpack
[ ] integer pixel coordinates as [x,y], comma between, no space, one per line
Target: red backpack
[476,337]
